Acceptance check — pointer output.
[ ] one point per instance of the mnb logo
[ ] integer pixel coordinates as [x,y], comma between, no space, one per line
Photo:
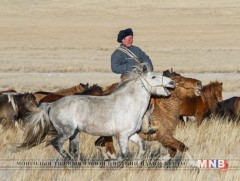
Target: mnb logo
[220,164]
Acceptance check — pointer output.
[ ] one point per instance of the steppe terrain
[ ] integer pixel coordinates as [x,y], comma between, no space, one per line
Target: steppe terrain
[50,45]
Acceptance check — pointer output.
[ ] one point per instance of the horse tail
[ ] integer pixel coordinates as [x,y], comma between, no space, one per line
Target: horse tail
[39,127]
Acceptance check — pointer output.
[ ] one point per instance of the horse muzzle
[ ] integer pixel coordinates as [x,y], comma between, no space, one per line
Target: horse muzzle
[198,89]
[171,84]
[163,90]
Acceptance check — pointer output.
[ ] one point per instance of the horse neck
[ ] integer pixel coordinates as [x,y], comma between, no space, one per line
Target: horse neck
[133,89]
[177,95]
[208,97]
[166,112]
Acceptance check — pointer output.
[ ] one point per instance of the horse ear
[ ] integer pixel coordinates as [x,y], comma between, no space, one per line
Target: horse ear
[166,73]
[84,85]
[145,69]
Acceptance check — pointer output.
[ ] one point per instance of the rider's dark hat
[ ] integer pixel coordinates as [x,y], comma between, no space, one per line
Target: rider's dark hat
[123,33]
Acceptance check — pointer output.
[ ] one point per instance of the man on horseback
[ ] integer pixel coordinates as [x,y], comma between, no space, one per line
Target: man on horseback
[124,58]
[127,55]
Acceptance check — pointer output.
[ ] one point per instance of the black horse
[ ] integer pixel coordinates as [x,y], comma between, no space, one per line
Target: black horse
[229,109]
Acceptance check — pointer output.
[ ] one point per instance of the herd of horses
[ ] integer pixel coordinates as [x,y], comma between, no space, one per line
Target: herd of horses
[117,111]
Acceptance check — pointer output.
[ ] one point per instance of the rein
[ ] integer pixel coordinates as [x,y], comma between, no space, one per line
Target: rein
[129,53]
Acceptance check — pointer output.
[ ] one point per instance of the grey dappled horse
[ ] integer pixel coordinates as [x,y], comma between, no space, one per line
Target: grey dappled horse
[118,114]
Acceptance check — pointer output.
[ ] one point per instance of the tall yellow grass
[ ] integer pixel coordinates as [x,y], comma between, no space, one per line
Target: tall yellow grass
[214,139]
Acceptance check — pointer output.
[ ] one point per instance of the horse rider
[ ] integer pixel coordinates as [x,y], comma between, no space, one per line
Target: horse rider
[127,55]
[123,60]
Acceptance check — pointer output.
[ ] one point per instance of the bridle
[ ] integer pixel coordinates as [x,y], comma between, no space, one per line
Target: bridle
[146,86]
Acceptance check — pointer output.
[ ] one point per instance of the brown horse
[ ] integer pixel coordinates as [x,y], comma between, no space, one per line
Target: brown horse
[229,109]
[165,117]
[206,103]
[72,90]
[14,107]
[64,92]
[92,90]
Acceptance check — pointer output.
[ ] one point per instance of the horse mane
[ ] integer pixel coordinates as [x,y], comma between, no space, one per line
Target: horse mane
[207,94]
[170,73]
[134,74]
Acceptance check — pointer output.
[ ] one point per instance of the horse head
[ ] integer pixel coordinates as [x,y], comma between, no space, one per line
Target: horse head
[26,103]
[217,89]
[170,73]
[186,86]
[155,83]
[212,94]
[84,86]
[92,90]
[96,90]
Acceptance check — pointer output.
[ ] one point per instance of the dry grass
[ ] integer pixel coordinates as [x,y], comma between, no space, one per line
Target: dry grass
[215,139]
[75,40]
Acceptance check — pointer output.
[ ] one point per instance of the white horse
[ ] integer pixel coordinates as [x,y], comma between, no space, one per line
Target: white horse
[118,114]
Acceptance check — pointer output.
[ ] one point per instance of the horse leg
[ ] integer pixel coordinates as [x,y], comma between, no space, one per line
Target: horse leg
[172,144]
[100,144]
[58,143]
[136,139]
[191,161]
[110,150]
[105,145]
[199,118]
[74,144]
[123,144]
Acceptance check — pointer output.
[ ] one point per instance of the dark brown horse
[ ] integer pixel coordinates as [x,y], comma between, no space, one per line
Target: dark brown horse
[229,109]
[64,92]
[206,103]
[14,107]
[165,117]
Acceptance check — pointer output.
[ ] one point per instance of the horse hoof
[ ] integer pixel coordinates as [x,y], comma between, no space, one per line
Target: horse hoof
[194,164]
[120,159]
[111,156]
[165,158]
